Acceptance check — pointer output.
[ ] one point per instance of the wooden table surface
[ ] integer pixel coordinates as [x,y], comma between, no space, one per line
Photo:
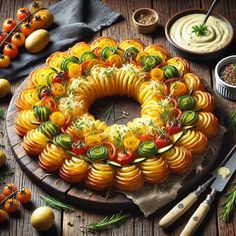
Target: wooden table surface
[72,223]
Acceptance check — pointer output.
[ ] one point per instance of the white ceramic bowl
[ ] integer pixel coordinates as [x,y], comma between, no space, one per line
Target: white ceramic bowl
[226,90]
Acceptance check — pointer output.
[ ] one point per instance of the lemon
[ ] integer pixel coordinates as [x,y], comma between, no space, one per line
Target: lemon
[5,87]
[42,218]
[2,158]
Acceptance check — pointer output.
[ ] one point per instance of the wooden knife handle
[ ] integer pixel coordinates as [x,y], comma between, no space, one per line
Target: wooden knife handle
[196,219]
[178,210]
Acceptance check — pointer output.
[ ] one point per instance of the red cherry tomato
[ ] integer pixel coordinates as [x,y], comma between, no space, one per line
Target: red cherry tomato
[11,205]
[24,195]
[9,189]
[79,148]
[22,13]
[18,39]
[173,127]
[26,29]
[10,50]
[162,141]
[3,35]
[59,77]
[9,24]
[125,157]
[45,92]
[4,61]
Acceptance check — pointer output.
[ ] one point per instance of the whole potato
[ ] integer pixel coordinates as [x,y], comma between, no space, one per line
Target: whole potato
[5,87]
[42,218]
[37,41]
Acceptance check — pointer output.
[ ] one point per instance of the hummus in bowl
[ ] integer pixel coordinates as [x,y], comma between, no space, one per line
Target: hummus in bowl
[216,37]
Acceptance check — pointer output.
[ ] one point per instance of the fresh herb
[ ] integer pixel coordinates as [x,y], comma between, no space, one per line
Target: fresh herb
[1,114]
[104,224]
[108,113]
[229,204]
[54,203]
[232,122]
[200,30]
[4,174]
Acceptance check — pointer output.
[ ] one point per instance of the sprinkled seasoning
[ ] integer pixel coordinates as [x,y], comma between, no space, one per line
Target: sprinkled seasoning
[228,74]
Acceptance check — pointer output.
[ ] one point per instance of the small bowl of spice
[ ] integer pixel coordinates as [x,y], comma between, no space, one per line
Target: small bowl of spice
[145,20]
[225,74]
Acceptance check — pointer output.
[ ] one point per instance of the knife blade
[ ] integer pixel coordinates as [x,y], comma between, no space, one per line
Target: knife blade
[217,186]
[180,208]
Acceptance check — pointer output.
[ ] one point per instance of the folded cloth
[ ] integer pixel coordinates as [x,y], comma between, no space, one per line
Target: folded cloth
[74,20]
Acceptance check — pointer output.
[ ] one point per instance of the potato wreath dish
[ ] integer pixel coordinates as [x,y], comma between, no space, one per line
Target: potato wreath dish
[175,124]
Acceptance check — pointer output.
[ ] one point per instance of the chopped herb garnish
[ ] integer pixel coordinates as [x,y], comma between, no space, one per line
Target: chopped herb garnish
[108,113]
[200,30]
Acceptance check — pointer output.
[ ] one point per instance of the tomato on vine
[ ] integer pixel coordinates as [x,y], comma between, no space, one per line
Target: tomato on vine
[11,205]
[2,197]
[3,215]
[26,29]
[9,189]
[18,39]
[3,35]
[23,195]
[4,61]
[9,24]
[22,13]
[10,50]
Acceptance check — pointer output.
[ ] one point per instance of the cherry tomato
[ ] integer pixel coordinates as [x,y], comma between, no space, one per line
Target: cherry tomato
[9,189]
[11,205]
[9,24]
[10,50]
[59,77]
[3,35]
[79,147]
[3,215]
[24,195]
[125,157]
[162,141]
[173,127]
[146,137]
[36,21]
[36,5]
[4,61]
[27,29]
[112,151]
[22,13]
[18,39]
[2,197]
[45,92]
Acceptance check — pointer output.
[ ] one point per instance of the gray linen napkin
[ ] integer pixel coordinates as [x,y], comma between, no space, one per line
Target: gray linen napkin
[75,20]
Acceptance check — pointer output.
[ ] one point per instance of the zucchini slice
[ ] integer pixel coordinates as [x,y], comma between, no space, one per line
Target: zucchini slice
[114,164]
[176,137]
[165,149]
[139,160]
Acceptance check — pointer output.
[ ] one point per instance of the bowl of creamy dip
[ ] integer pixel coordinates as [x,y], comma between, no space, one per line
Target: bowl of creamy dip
[225,75]
[212,40]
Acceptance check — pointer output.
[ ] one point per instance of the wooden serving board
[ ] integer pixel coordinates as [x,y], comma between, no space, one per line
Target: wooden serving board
[79,194]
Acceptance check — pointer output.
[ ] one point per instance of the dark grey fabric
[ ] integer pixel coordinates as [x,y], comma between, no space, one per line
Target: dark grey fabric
[75,20]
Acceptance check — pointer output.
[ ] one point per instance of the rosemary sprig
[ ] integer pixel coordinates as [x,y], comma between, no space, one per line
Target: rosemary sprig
[1,114]
[232,122]
[54,203]
[104,224]
[108,113]
[200,30]
[4,174]
[229,204]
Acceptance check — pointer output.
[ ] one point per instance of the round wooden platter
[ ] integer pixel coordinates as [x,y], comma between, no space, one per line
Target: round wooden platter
[79,194]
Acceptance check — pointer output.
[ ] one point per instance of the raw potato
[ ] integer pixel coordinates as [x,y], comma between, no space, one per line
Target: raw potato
[2,158]
[37,41]
[42,218]
[5,87]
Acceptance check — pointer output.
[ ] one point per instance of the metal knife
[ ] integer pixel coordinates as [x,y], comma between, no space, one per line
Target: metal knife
[218,185]
[180,208]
